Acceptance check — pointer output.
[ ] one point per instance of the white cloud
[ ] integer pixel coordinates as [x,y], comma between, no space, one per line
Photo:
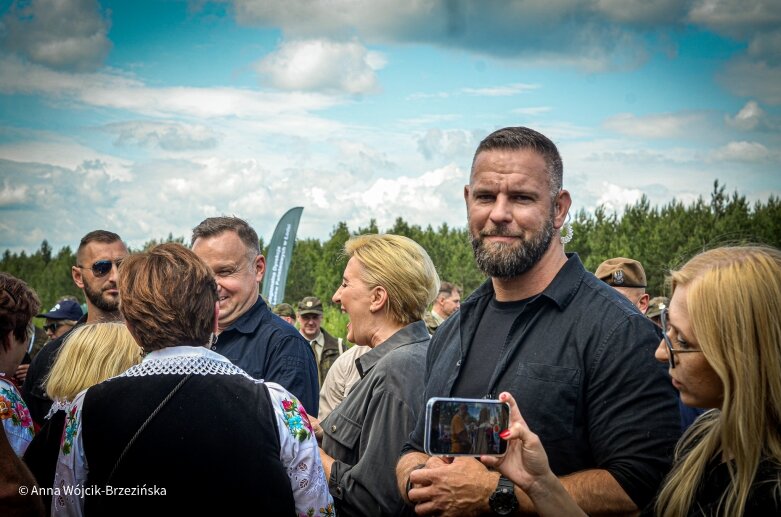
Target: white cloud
[322,65]
[501,91]
[615,197]
[448,144]
[169,136]
[757,79]
[61,153]
[63,34]
[748,118]
[742,152]
[657,126]
[569,31]
[12,195]
[643,12]
[112,90]
[736,18]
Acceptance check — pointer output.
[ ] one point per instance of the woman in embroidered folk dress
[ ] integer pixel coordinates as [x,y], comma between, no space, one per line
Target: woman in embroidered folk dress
[722,343]
[18,305]
[185,430]
[388,282]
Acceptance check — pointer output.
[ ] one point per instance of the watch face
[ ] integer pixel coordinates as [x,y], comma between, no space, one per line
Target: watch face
[503,501]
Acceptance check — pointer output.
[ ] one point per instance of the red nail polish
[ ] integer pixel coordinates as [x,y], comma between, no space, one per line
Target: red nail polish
[504,434]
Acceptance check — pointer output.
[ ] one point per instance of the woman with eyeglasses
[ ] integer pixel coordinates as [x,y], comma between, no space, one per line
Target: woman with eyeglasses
[722,342]
[18,305]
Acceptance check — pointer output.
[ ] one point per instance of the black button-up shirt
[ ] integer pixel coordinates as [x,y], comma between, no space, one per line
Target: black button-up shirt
[269,348]
[579,360]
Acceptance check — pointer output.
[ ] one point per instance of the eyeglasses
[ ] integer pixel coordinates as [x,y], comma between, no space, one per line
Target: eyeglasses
[52,327]
[670,350]
[101,267]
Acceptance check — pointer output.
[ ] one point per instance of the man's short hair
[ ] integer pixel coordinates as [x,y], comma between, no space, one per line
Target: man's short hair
[520,138]
[104,236]
[213,226]
[447,289]
[168,297]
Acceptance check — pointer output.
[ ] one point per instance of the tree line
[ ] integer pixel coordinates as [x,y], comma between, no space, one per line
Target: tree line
[660,237]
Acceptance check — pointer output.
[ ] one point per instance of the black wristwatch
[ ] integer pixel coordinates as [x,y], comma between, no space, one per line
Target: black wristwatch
[503,500]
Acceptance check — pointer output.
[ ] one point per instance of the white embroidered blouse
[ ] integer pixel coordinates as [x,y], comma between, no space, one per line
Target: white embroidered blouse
[298,447]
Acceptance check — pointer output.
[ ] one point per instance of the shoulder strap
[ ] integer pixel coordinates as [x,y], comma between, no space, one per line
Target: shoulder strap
[146,423]
[341,346]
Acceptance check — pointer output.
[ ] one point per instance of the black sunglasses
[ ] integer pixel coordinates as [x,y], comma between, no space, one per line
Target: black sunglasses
[668,342]
[53,326]
[102,267]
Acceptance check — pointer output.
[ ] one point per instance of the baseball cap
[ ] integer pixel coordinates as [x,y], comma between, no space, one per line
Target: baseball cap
[656,305]
[310,305]
[284,309]
[621,272]
[63,310]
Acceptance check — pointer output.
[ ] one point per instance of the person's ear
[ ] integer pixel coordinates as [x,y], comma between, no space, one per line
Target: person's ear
[77,275]
[379,299]
[563,202]
[260,267]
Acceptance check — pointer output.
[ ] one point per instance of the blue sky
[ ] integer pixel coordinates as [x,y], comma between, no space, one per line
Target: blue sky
[145,117]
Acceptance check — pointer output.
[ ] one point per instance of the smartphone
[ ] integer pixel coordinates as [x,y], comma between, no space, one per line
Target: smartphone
[465,427]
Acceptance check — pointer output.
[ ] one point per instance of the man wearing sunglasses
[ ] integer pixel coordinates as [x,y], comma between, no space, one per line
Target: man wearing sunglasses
[99,255]
[61,318]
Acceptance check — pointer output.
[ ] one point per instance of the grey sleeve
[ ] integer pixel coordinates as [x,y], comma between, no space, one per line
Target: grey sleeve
[369,486]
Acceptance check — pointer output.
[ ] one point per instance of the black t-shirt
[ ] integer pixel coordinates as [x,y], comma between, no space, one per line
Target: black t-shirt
[490,340]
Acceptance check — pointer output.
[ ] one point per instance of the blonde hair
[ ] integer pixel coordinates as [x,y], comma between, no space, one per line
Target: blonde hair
[402,267]
[91,354]
[734,303]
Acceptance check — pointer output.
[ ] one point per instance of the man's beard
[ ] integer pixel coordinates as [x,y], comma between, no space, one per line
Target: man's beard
[96,297]
[504,260]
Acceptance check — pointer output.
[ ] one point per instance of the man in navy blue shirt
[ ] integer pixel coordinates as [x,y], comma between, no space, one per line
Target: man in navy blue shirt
[575,354]
[254,339]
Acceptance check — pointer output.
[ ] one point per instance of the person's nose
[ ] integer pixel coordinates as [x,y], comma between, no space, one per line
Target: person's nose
[337,297]
[662,354]
[501,211]
[112,275]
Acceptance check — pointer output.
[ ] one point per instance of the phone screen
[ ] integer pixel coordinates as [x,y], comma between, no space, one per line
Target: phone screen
[465,427]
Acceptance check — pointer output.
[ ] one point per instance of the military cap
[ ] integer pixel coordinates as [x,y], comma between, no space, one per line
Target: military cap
[284,309]
[656,305]
[310,305]
[621,272]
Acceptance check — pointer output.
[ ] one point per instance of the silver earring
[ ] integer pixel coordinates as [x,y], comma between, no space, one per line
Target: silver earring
[212,340]
[566,231]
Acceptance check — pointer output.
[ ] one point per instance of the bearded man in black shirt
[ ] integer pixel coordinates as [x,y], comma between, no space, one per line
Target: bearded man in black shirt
[576,355]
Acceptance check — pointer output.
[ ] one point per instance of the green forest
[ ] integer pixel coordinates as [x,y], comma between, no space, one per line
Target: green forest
[660,237]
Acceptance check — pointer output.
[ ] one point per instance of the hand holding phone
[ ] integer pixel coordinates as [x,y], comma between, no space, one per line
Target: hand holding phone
[465,427]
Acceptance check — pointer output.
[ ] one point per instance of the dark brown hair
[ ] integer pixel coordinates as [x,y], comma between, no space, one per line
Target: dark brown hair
[104,236]
[214,226]
[520,138]
[18,305]
[167,297]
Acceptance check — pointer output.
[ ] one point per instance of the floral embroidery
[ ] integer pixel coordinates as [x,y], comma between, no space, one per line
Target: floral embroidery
[296,420]
[12,406]
[328,511]
[71,426]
